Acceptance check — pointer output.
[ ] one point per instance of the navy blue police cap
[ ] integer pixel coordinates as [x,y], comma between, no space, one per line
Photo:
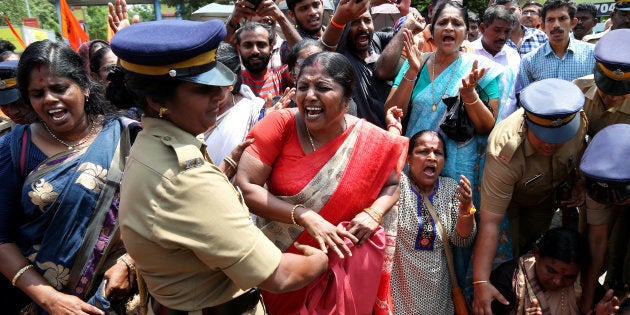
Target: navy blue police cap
[178,49]
[9,92]
[622,5]
[612,66]
[605,166]
[552,109]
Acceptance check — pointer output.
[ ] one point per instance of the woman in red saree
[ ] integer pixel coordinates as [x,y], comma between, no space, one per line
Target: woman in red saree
[330,178]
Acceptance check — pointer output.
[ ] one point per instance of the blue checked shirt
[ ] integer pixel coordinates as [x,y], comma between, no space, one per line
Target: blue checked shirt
[543,63]
[532,39]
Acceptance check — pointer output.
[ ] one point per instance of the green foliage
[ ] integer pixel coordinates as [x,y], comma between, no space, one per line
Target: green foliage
[477,6]
[145,11]
[42,9]
[96,21]
[187,7]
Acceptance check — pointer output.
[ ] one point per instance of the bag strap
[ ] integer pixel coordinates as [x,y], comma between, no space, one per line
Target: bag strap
[445,240]
[405,120]
[114,176]
[23,154]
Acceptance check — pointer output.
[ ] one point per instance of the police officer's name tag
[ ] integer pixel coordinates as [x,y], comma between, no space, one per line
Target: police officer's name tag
[196,162]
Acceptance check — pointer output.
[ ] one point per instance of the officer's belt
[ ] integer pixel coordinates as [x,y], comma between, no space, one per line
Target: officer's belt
[239,305]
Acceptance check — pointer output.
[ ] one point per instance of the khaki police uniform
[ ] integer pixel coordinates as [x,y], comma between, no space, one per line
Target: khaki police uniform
[189,231]
[522,183]
[6,125]
[594,38]
[597,114]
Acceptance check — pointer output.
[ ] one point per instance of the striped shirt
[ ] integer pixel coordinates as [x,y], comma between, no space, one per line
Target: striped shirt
[543,63]
[273,83]
[532,39]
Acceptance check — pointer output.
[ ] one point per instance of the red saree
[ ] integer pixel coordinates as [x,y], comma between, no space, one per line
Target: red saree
[371,158]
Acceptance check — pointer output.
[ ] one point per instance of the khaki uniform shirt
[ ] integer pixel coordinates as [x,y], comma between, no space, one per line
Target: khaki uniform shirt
[6,125]
[186,226]
[598,116]
[517,179]
[594,38]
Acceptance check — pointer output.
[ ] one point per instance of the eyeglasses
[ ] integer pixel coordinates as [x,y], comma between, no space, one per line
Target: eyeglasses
[107,68]
[530,12]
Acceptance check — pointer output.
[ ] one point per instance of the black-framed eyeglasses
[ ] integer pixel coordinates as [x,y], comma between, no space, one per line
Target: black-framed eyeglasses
[107,68]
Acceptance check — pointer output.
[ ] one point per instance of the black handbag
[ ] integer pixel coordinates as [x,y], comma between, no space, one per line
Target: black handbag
[456,123]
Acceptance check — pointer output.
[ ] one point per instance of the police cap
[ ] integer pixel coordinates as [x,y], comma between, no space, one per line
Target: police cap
[552,109]
[179,49]
[612,67]
[9,92]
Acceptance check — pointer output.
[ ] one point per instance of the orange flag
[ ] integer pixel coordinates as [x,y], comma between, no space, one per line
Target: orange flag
[17,36]
[70,27]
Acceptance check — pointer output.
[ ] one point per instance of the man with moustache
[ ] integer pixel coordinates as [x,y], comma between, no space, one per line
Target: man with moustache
[586,16]
[529,156]
[496,26]
[253,42]
[308,17]
[619,18]
[562,57]
[362,46]
[523,39]
[530,14]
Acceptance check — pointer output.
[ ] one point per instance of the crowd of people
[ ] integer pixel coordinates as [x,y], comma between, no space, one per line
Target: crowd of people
[301,162]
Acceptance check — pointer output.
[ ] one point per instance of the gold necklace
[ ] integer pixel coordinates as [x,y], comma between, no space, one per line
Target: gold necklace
[310,138]
[70,147]
[434,107]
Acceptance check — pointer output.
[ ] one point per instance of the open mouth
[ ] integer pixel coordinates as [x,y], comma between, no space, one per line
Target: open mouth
[448,39]
[362,39]
[57,114]
[430,170]
[314,22]
[313,112]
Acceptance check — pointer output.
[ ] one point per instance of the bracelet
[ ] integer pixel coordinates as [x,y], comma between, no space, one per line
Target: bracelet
[335,24]
[321,40]
[375,215]
[20,273]
[230,162]
[395,126]
[293,213]
[480,281]
[473,102]
[410,80]
[124,259]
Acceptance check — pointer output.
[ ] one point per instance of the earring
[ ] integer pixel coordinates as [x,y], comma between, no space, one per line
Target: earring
[87,98]
[231,88]
[162,111]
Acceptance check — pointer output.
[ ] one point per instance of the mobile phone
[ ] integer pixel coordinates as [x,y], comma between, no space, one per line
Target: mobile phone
[256,3]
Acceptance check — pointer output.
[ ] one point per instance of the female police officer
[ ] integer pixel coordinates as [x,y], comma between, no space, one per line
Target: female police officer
[184,224]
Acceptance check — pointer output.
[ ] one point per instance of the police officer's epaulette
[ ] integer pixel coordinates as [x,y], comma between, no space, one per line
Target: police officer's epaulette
[585,82]
[508,142]
[188,155]
[508,149]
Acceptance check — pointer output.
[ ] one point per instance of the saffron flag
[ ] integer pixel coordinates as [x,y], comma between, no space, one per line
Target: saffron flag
[17,36]
[70,27]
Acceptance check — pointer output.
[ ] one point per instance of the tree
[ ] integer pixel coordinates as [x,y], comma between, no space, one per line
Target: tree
[42,9]
[96,21]
[187,7]
[145,11]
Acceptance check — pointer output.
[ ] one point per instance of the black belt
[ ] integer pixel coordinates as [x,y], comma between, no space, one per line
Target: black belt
[235,306]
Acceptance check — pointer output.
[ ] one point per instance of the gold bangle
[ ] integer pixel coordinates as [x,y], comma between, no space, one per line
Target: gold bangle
[473,102]
[480,281]
[20,273]
[230,162]
[293,213]
[335,24]
[375,215]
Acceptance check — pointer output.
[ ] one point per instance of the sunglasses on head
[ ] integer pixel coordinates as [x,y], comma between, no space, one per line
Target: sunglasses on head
[607,193]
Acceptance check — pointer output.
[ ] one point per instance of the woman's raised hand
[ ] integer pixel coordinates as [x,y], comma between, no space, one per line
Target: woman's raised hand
[470,82]
[414,55]
[464,195]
